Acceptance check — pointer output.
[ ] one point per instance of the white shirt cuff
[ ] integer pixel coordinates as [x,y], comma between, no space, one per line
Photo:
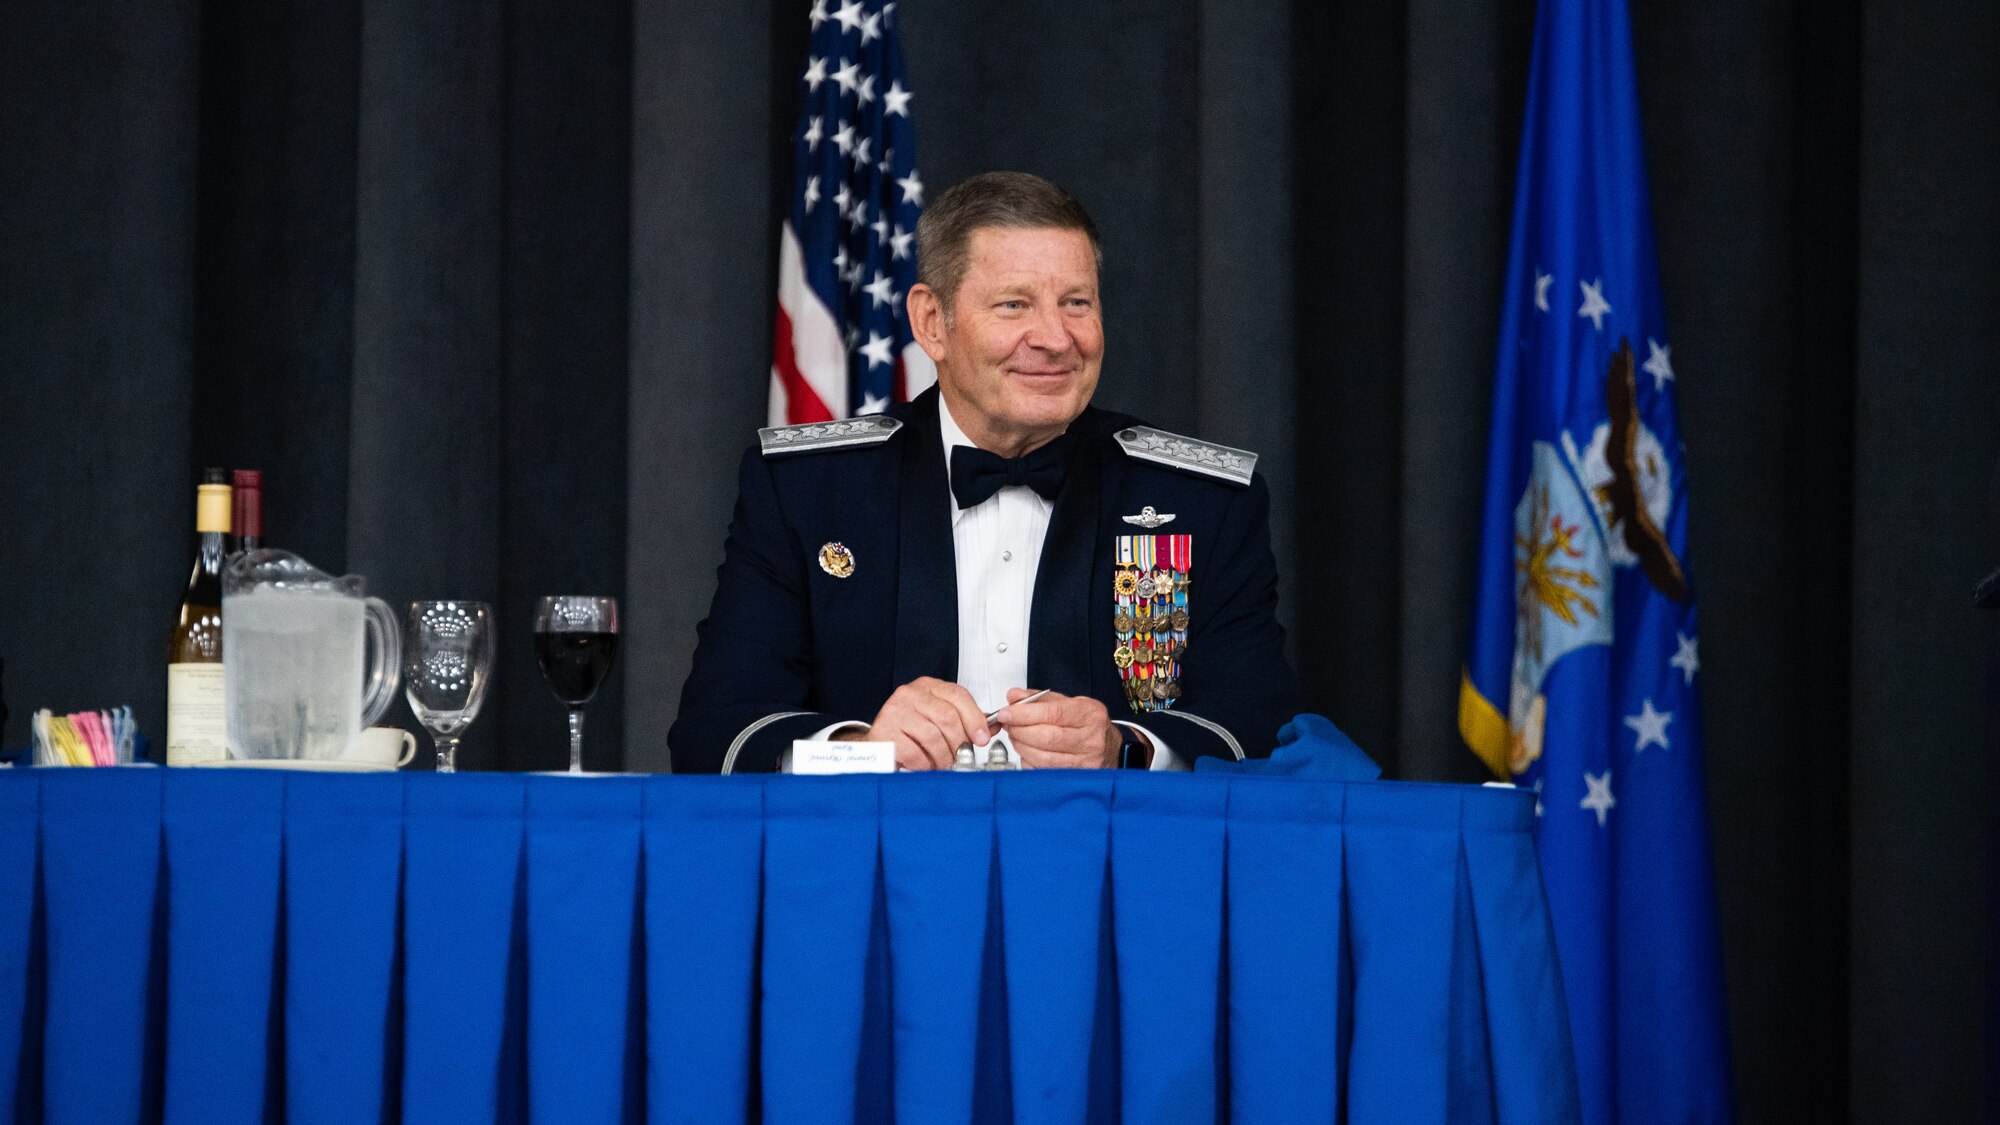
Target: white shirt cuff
[820,735]
[1163,756]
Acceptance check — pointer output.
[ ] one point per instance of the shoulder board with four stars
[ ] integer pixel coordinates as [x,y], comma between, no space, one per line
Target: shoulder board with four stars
[1192,455]
[818,437]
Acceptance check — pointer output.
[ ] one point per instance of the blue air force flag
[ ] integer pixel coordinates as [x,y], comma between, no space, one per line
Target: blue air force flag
[1584,667]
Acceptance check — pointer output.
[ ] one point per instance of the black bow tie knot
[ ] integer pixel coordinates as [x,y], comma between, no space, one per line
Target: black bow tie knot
[977,474]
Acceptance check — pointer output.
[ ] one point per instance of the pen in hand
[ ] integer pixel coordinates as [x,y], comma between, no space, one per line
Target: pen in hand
[1023,699]
[965,763]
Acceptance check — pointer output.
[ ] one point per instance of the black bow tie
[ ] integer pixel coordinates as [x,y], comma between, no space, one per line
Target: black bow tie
[977,474]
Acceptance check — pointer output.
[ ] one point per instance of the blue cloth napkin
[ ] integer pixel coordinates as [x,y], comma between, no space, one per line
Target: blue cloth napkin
[1308,746]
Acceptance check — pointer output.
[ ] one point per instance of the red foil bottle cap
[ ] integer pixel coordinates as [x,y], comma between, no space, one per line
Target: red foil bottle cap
[249,495]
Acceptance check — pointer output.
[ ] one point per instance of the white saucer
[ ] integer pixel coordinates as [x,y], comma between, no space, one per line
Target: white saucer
[318,765]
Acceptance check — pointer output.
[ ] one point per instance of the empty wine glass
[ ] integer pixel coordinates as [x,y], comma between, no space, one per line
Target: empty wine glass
[576,640]
[448,657]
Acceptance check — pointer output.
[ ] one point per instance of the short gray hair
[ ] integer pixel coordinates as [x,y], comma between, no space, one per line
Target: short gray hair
[1013,200]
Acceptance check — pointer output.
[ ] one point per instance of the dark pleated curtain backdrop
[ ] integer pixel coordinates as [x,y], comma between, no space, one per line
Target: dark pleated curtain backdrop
[485,289]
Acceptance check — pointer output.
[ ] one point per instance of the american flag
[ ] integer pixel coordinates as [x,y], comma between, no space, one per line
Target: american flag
[848,252]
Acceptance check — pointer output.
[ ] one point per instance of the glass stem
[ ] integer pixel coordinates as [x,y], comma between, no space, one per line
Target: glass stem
[576,740]
[447,747]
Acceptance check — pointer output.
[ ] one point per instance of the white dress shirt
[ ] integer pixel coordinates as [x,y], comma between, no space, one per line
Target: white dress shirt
[998,546]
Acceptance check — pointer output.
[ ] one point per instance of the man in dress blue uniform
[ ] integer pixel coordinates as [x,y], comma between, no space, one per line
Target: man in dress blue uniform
[896,577]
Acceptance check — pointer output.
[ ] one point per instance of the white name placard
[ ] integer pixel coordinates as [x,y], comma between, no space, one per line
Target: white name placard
[811,757]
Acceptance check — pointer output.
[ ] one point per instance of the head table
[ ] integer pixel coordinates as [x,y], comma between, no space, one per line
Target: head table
[239,945]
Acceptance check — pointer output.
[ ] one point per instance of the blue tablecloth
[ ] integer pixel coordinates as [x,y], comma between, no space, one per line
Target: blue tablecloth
[219,946]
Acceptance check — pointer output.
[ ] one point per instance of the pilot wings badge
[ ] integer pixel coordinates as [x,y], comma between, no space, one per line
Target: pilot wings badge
[1150,519]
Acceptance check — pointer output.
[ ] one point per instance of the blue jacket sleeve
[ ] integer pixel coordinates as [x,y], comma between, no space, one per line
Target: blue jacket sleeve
[745,697]
[1239,687]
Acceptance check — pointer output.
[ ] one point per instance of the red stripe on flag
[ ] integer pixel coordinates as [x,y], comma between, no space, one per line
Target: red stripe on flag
[801,403]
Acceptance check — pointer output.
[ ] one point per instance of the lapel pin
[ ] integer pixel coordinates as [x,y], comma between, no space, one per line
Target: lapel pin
[836,559]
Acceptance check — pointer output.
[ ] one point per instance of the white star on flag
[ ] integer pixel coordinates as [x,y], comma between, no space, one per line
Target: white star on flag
[812,192]
[879,289]
[1651,727]
[1542,281]
[818,13]
[1658,364]
[813,135]
[896,100]
[849,15]
[815,74]
[840,199]
[847,76]
[860,153]
[1599,800]
[877,350]
[913,188]
[899,243]
[871,28]
[866,91]
[881,228]
[1686,659]
[874,405]
[845,139]
[1594,304]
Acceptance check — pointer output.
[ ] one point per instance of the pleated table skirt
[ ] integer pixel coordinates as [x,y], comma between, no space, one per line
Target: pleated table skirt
[212,946]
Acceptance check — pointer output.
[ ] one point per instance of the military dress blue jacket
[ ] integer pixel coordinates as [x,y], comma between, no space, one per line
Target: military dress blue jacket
[789,648]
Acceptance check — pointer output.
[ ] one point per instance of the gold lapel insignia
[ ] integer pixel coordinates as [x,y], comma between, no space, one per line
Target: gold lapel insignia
[837,560]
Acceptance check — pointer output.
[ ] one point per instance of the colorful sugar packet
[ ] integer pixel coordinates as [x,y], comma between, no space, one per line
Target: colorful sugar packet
[86,738]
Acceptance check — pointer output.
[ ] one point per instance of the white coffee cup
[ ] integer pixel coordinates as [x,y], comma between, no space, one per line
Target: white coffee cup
[390,747]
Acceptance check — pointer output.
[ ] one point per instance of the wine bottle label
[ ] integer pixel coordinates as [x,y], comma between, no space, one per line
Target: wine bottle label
[197,725]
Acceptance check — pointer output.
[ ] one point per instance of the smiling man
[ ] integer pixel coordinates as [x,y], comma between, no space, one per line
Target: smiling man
[895,578]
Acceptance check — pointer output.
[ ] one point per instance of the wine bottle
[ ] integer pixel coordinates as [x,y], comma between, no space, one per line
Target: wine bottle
[196,722]
[247,498]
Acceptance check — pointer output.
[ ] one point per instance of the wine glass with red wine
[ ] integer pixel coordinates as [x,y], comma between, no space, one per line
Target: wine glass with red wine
[576,640]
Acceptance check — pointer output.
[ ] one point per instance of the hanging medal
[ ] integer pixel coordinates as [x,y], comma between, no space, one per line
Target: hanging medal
[1145,559]
[1149,616]
[1173,560]
[1124,608]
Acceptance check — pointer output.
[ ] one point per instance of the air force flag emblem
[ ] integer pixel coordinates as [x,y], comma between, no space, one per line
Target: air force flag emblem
[1563,580]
